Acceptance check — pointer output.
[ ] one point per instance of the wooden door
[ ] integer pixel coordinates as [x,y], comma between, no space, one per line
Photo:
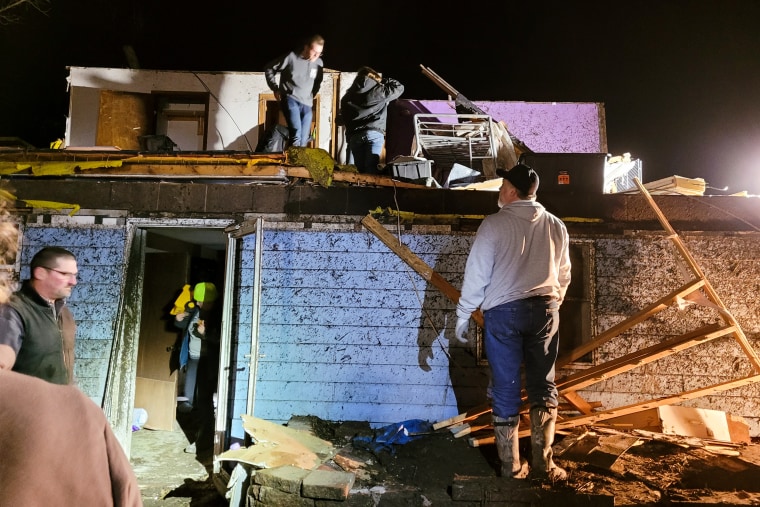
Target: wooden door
[156,384]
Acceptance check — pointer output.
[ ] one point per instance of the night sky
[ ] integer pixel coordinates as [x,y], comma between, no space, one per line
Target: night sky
[680,80]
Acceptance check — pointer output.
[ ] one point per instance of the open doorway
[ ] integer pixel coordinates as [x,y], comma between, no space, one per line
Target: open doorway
[176,260]
[270,115]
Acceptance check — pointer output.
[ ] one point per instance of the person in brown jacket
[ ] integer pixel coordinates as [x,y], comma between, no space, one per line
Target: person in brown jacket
[58,448]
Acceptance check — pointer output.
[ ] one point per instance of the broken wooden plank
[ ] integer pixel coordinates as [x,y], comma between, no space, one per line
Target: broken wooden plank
[708,288]
[595,374]
[601,451]
[276,445]
[597,417]
[683,421]
[574,422]
[417,264]
[724,448]
[577,402]
[356,178]
[678,185]
[471,414]
[617,329]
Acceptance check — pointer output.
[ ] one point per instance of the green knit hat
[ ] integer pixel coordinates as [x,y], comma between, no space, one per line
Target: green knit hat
[205,291]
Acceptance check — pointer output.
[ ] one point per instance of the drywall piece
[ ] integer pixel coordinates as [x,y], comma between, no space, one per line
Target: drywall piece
[683,421]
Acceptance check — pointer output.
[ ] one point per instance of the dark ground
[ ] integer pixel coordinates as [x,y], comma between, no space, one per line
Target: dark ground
[652,473]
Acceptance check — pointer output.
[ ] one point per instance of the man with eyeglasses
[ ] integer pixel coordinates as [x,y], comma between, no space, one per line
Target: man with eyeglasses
[37,329]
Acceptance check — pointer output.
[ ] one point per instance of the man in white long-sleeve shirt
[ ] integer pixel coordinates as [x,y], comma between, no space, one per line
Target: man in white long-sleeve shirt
[517,273]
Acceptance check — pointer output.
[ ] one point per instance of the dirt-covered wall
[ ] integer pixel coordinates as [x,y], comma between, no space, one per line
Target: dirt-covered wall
[349,332]
[635,270]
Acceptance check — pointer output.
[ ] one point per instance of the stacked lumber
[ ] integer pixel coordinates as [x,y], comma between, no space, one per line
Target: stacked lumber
[676,185]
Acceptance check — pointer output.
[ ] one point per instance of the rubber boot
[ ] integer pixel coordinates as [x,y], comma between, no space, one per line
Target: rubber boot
[542,422]
[508,447]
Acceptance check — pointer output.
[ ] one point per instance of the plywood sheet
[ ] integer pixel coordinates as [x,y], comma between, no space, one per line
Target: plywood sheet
[122,118]
[149,394]
[677,420]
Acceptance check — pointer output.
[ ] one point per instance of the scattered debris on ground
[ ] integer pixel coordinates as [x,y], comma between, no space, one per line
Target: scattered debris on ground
[606,467]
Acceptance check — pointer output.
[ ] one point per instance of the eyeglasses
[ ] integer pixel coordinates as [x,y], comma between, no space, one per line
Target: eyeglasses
[62,273]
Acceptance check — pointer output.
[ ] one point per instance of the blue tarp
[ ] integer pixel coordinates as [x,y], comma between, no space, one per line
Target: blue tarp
[394,434]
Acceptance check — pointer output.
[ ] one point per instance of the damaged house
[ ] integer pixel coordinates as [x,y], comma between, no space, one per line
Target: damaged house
[323,314]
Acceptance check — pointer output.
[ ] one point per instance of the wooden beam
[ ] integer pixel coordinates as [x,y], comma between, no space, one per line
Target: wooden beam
[416,263]
[641,357]
[470,415]
[356,178]
[708,288]
[628,323]
[575,399]
[574,422]
[206,170]
[590,419]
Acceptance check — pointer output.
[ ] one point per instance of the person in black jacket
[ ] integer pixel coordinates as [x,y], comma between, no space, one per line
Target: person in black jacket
[364,110]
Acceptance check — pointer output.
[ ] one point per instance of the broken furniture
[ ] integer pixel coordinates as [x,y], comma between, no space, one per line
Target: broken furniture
[449,139]
[508,146]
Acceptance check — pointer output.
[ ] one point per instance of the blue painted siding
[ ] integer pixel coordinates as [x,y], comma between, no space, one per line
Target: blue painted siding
[94,301]
[348,331]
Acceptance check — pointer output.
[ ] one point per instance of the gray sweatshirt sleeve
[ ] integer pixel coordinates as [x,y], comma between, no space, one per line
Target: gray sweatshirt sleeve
[271,70]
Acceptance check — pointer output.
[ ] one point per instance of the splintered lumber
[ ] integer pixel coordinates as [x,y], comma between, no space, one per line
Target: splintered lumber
[628,323]
[470,415]
[677,185]
[641,357]
[355,178]
[276,445]
[708,288]
[465,106]
[596,417]
[599,450]
[416,263]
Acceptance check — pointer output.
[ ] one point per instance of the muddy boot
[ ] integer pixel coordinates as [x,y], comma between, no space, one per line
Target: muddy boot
[542,421]
[508,447]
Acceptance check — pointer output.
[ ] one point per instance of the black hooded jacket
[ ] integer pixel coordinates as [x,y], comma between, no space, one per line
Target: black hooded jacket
[365,104]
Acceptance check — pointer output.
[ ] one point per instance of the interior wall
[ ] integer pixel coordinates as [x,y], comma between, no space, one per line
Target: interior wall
[545,127]
[85,104]
[233,102]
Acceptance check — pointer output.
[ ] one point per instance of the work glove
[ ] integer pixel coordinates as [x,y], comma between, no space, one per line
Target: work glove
[461,329]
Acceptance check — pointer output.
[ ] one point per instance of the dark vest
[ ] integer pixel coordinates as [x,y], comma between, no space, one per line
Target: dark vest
[47,350]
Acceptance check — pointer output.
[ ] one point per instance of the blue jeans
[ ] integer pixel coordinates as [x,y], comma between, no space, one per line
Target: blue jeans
[522,331]
[298,117]
[366,147]
[191,379]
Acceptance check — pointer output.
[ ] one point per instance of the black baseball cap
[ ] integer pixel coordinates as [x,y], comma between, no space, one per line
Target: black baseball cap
[523,177]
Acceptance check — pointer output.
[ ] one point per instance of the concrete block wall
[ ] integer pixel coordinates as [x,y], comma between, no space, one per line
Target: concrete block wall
[95,300]
[633,272]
